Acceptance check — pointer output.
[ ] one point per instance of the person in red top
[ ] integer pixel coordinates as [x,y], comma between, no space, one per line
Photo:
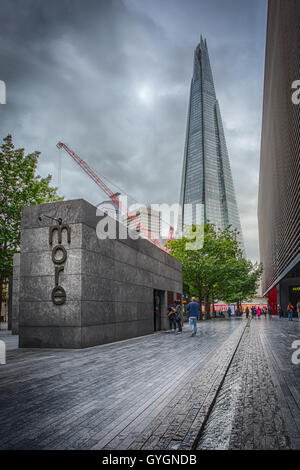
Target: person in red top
[290,311]
[258,312]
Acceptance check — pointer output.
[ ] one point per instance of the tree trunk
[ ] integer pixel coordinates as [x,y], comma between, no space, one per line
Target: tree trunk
[10,289]
[1,292]
[213,305]
[200,302]
[207,303]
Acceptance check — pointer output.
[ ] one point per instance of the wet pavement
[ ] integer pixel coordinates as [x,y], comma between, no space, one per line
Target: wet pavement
[249,410]
[83,399]
[234,386]
[217,431]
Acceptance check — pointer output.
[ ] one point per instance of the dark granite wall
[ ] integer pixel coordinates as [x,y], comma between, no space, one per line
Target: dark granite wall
[109,284]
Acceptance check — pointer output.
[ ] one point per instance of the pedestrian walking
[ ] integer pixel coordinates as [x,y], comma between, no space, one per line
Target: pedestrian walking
[179,316]
[264,311]
[280,311]
[298,310]
[172,317]
[258,312]
[229,312]
[253,310]
[247,312]
[290,311]
[193,310]
[270,311]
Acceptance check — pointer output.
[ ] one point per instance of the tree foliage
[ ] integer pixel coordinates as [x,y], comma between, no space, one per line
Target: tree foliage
[217,270]
[19,187]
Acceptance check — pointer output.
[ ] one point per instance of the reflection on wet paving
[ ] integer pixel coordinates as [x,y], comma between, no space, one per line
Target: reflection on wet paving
[217,431]
[251,410]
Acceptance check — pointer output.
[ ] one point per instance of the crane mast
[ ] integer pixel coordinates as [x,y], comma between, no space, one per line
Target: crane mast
[113,196]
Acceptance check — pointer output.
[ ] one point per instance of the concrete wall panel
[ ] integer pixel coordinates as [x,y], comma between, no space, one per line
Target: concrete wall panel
[47,314]
[50,337]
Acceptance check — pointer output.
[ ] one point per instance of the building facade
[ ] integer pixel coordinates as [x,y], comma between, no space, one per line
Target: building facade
[206,176]
[279,183]
[109,208]
[149,218]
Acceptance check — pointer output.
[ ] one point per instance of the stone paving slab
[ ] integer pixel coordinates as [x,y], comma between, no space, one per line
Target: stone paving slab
[179,422]
[83,399]
[156,392]
[258,406]
[277,337]
[259,421]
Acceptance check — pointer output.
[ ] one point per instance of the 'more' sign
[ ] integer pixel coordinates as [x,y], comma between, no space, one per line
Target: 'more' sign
[59,257]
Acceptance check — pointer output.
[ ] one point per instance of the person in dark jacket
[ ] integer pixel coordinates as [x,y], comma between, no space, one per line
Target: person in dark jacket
[270,311]
[172,317]
[237,312]
[178,315]
[247,312]
[193,310]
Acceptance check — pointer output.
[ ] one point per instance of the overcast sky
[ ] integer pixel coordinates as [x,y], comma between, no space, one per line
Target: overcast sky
[111,79]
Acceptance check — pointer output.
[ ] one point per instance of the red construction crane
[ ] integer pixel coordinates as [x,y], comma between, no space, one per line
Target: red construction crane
[171,232]
[113,196]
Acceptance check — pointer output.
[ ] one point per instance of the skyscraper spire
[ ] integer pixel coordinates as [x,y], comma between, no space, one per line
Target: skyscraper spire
[206,176]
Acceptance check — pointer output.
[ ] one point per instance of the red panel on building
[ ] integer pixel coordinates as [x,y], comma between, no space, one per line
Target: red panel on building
[170,297]
[273,300]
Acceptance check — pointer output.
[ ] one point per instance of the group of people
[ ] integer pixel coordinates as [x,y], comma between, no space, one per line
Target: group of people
[290,311]
[258,312]
[175,315]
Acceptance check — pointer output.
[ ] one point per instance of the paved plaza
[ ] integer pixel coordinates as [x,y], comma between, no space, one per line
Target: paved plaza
[233,386]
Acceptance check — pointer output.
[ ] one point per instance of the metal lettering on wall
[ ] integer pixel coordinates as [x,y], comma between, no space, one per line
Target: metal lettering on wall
[58,294]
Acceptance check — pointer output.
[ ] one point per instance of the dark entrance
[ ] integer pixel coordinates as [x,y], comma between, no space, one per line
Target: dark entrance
[158,300]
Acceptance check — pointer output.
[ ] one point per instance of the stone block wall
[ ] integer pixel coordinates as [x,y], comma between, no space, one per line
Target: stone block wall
[15,295]
[108,284]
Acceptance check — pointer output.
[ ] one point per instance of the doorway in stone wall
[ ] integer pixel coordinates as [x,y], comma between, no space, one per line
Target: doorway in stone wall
[158,300]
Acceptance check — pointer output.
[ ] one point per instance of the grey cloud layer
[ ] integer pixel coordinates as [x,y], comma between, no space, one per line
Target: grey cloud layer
[111,78]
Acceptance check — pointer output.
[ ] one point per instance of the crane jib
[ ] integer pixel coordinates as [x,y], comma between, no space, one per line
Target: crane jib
[92,174]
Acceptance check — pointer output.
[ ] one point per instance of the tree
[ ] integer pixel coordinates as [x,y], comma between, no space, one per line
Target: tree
[19,187]
[242,280]
[217,270]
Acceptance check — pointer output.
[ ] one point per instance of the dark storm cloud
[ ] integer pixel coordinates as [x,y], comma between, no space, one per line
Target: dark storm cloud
[111,78]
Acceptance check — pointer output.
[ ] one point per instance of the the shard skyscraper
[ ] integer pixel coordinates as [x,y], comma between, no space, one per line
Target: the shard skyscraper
[206,176]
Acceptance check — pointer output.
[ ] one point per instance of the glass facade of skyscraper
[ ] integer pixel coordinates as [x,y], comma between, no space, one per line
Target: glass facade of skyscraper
[279,181]
[206,176]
